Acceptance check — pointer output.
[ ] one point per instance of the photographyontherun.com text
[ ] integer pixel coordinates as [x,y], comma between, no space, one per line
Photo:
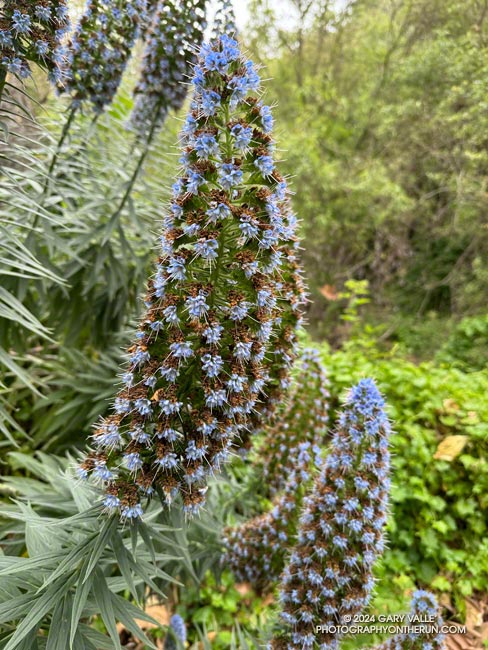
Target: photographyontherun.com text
[388,624]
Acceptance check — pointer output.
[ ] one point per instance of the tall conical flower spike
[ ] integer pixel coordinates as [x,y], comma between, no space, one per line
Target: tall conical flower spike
[172,41]
[256,550]
[216,304]
[329,573]
[177,633]
[225,19]
[33,31]
[423,609]
[100,48]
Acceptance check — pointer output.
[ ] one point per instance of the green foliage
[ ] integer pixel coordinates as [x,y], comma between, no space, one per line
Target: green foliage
[70,564]
[219,605]
[382,108]
[467,345]
[75,257]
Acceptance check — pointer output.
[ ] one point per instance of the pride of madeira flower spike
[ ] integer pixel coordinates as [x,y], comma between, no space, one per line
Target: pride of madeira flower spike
[176,634]
[256,550]
[340,531]
[424,636]
[218,307]
[100,47]
[173,36]
[32,31]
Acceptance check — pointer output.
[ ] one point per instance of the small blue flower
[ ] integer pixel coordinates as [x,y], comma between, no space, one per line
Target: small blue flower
[168,461]
[111,502]
[229,175]
[213,333]
[181,350]
[265,165]
[132,512]
[21,23]
[206,146]
[240,311]
[133,461]
[210,101]
[212,365]
[242,135]
[218,212]
[207,248]
[197,305]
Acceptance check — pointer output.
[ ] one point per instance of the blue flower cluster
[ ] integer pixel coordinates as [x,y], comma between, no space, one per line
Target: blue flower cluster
[423,604]
[255,550]
[100,48]
[177,634]
[32,31]
[224,20]
[341,528]
[222,307]
[173,38]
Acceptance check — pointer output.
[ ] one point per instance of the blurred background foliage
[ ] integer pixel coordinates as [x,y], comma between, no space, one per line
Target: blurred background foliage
[383,116]
[382,120]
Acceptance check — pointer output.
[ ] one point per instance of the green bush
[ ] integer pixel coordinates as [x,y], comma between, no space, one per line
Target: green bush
[467,345]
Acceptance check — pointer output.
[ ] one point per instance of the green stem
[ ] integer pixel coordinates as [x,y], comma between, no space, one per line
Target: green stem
[54,160]
[52,165]
[3,81]
[130,185]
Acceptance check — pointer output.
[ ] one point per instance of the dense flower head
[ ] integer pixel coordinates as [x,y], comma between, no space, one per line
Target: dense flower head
[172,41]
[33,31]
[424,608]
[340,531]
[220,308]
[224,20]
[255,550]
[177,633]
[100,48]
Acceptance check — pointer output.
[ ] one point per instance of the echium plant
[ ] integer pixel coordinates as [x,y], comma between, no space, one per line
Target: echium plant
[256,549]
[32,31]
[100,48]
[423,609]
[340,533]
[218,307]
[172,41]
